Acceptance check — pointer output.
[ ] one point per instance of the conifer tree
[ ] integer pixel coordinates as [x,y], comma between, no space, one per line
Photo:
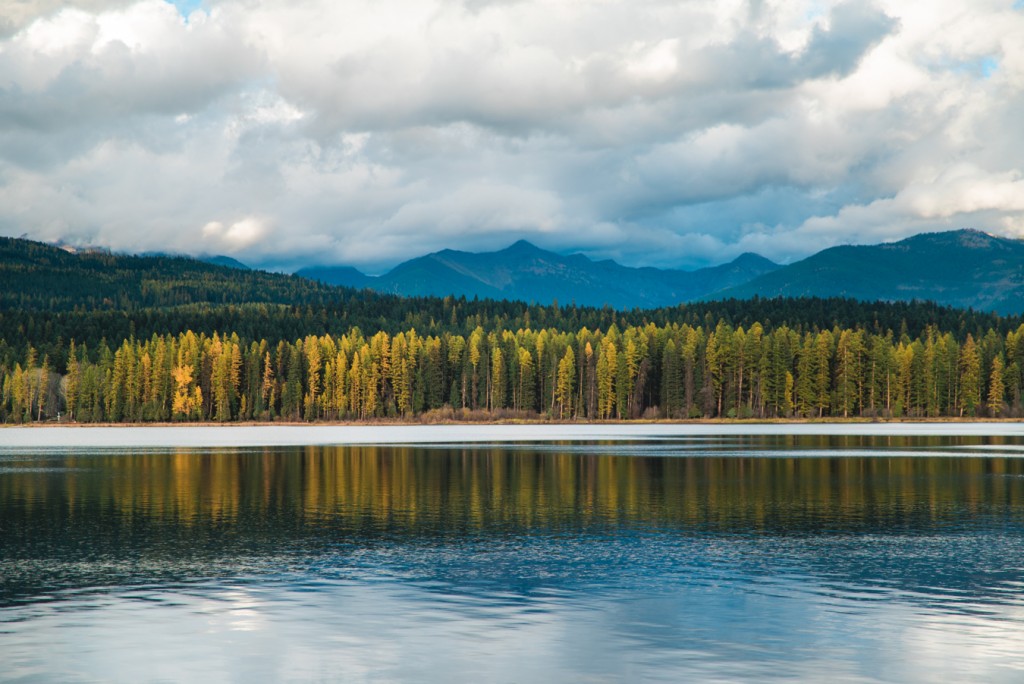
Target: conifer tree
[970,377]
[72,382]
[526,380]
[564,392]
[497,378]
[607,368]
[671,381]
[996,388]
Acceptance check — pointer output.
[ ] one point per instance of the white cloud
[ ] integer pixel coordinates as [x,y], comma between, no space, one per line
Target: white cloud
[237,236]
[17,14]
[369,132]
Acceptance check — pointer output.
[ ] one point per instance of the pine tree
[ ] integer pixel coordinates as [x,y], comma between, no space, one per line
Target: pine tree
[564,391]
[268,387]
[996,389]
[806,392]
[220,383]
[787,395]
[903,383]
[235,375]
[671,381]
[693,338]
[822,373]
[498,380]
[607,368]
[44,387]
[590,359]
[527,381]
[970,377]
[475,345]
[72,382]
[849,372]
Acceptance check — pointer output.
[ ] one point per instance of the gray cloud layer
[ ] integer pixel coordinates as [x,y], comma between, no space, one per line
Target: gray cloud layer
[662,133]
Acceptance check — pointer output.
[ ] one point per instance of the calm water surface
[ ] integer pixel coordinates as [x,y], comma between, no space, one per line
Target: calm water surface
[734,558]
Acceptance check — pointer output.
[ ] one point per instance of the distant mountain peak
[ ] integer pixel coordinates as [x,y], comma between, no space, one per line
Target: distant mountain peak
[523,246]
[752,259]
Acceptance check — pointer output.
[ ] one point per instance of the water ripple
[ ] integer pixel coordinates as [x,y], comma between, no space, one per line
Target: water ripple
[706,559]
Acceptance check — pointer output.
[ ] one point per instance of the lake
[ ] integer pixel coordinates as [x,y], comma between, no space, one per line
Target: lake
[497,554]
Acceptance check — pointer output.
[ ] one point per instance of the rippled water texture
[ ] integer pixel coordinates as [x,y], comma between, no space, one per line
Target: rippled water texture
[713,558]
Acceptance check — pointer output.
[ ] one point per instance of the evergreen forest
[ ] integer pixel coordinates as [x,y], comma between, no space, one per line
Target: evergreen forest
[107,338]
[650,371]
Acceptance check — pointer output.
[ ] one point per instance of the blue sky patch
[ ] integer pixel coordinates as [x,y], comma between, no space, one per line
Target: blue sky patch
[186,7]
[989,65]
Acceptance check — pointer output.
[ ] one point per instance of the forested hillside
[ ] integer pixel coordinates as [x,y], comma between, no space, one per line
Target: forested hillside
[962,268]
[35,276]
[240,349]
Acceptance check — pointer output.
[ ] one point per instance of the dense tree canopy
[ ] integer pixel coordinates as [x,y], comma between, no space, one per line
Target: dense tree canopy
[651,371]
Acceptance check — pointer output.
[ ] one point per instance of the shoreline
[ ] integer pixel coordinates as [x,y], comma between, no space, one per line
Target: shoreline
[398,422]
[234,435]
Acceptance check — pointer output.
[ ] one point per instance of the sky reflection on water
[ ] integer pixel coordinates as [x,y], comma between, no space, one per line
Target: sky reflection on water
[524,563]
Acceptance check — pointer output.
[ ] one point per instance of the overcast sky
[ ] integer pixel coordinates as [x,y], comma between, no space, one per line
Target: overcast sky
[667,133]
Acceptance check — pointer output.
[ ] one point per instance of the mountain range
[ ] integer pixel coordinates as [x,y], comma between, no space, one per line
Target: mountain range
[961,268]
[527,273]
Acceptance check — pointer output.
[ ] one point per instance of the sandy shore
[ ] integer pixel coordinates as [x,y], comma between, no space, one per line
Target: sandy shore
[200,436]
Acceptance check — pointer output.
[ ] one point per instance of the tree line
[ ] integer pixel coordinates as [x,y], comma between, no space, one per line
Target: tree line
[672,370]
[50,332]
